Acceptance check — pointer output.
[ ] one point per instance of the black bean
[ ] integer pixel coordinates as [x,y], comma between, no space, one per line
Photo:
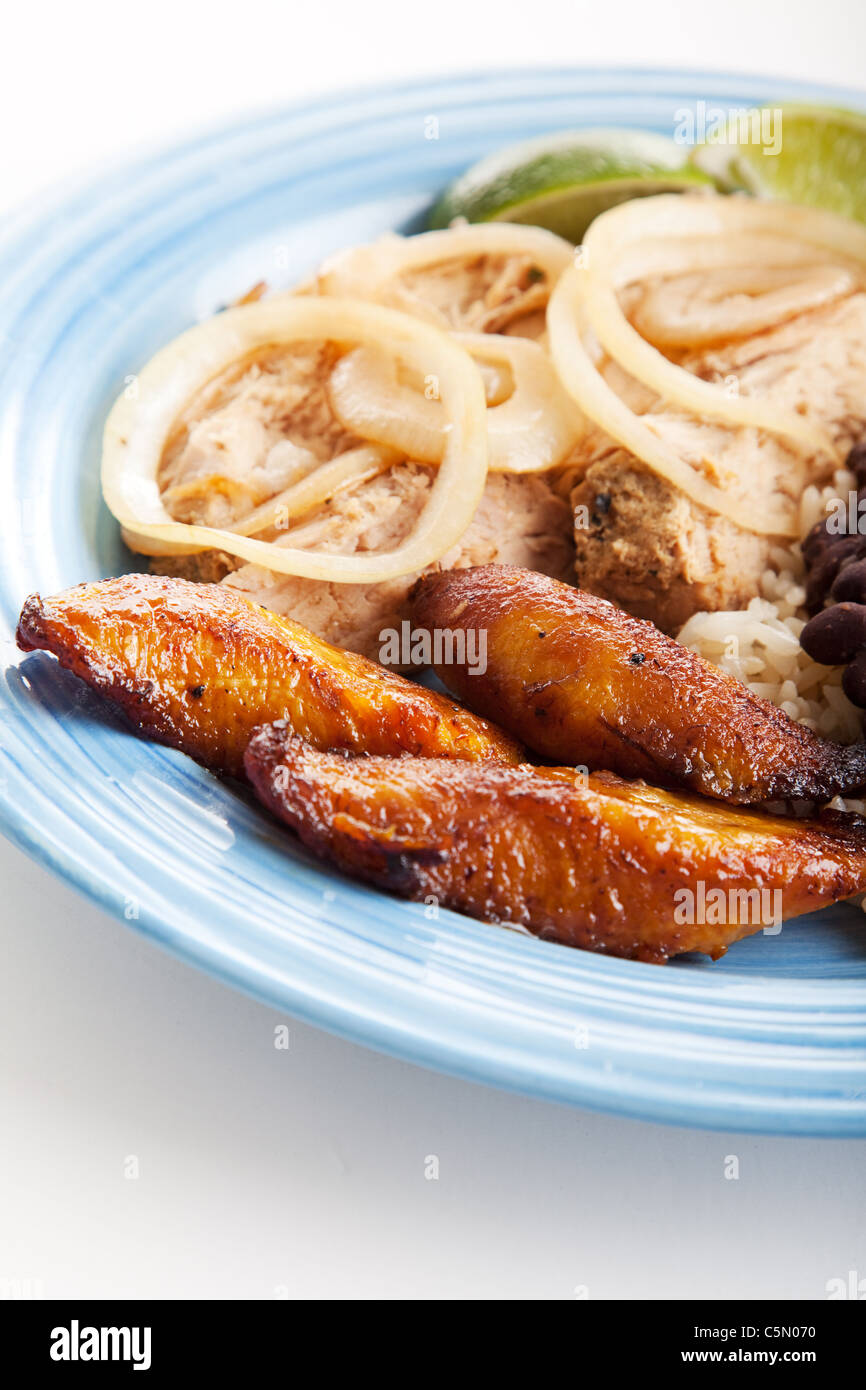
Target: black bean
[836,635]
[818,541]
[822,575]
[854,680]
[850,583]
[825,550]
[856,461]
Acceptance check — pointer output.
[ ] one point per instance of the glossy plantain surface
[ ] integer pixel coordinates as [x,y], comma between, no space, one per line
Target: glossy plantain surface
[586,860]
[198,667]
[581,682]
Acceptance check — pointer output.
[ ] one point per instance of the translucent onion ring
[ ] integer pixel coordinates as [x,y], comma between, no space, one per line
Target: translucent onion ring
[700,216]
[138,428]
[373,272]
[367,399]
[712,217]
[539,424]
[680,387]
[346,470]
[582,379]
[746,300]
[677,255]
[531,431]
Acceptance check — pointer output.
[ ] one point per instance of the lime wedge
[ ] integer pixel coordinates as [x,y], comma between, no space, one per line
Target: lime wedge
[814,155]
[563,181]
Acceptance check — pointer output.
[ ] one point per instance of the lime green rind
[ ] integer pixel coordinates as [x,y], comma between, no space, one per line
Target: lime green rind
[517,184]
[821,161]
[569,211]
[800,108]
[494,203]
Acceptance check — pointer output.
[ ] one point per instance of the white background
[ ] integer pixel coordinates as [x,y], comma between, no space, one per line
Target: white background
[301,1173]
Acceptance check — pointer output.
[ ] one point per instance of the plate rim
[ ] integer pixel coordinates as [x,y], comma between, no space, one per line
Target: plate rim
[430,1048]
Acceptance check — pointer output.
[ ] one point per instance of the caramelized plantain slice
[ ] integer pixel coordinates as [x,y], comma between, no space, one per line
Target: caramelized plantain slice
[586,860]
[581,682]
[198,667]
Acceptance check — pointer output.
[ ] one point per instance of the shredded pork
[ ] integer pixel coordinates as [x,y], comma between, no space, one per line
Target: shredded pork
[519,521]
[259,428]
[485,294]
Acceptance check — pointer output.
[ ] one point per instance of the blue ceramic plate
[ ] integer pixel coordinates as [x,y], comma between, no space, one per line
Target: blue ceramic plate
[772,1038]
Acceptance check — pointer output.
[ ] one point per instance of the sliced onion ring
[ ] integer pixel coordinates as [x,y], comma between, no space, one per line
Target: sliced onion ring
[368,399]
[679,387]
[346,470]
[746,300]
[713,218]
[539,424]
[582,379]
[531,431]
[701,217]
[373,272]
[138,429]
[678,255]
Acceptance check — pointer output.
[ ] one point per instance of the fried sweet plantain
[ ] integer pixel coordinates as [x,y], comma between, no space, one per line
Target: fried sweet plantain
[581,682]
[198,667]
[586,860]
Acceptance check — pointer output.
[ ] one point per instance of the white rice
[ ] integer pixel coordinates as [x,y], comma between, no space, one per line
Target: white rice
[760,644]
